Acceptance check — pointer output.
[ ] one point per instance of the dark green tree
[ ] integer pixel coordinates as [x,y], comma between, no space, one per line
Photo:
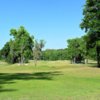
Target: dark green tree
[91,24]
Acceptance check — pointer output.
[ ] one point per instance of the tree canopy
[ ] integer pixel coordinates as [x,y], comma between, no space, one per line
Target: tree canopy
[91,24]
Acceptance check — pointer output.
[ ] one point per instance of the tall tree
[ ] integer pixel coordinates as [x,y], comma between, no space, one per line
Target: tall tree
[91,24]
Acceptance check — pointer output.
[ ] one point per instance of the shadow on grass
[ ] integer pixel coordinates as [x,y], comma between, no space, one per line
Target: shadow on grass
[9,78]
[7,90]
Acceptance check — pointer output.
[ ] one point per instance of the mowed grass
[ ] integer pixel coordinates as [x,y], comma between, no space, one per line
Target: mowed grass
[49,80]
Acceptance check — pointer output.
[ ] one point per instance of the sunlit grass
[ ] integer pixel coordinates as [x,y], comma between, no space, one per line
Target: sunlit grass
[49,80]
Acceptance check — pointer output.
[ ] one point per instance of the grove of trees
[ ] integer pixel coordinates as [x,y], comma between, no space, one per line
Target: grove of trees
[78,51]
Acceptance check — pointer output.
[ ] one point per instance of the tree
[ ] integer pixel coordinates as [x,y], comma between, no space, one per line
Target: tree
[76,50]
[19,48]
[24,42]
[37,50]
[91,24]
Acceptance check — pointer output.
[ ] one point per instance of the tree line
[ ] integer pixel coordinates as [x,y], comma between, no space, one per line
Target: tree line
[23,47]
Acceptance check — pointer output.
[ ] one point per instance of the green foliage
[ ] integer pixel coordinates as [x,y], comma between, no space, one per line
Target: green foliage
[53,54]
[91,24]
[76,49]
[19,48]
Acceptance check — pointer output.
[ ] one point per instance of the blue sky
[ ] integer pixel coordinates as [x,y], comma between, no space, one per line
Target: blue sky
[55,21]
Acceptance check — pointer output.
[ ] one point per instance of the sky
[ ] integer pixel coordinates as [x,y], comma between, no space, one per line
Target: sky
[54,21]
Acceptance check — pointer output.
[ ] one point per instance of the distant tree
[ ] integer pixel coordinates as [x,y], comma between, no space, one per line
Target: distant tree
[37,50]
[91,24]
[76,49]
[55,54]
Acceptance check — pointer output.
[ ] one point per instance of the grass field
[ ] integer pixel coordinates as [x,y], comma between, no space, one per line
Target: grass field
[50,80]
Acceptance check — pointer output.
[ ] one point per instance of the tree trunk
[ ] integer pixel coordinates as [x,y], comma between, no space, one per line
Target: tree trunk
[98,56]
